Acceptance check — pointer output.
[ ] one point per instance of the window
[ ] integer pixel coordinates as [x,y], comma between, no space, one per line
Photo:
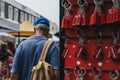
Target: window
[16,14]
[26,16]
[22,16]
[10,12]
[30,18]
[2,8]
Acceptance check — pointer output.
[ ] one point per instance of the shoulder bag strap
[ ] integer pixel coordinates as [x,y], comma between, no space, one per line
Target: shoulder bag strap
[45,50]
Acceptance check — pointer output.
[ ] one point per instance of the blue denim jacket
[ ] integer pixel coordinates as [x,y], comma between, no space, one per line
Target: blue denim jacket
[28,53]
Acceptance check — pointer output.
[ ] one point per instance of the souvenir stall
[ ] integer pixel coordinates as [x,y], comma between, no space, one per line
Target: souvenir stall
[90,30]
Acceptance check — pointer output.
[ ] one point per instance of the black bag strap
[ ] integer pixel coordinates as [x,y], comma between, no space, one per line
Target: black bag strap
[45,50]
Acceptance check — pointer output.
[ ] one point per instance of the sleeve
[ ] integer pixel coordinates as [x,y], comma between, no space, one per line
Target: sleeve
[55,57]
[17,60]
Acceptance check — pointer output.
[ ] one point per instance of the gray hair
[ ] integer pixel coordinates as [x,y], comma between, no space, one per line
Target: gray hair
[42,27]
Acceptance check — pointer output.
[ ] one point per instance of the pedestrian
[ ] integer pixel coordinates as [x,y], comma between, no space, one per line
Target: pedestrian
[29,51]
[5,61]
[11,47]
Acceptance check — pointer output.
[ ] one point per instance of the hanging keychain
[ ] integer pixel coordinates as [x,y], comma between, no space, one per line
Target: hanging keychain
[114,50]
[97,18]
[67,19]
[97,73]
[98,53]
[67,73]
[80,18]
[114,75]
[82,53]
[116,11]
[110,13]
[79,73]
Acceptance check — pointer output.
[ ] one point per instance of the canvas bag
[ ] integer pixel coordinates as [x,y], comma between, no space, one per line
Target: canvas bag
[43,70]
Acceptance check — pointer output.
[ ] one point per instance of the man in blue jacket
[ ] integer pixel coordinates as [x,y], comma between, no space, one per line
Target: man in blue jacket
[29,51]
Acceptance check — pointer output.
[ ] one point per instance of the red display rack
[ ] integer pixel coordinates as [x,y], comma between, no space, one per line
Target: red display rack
[91,52]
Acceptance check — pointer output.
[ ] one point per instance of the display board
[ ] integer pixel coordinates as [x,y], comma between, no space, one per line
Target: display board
[91,33]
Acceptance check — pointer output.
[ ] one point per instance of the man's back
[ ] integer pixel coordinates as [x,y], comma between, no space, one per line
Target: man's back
[28,54]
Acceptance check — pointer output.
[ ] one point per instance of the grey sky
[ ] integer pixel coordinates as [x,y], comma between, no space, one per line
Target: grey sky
[47,8]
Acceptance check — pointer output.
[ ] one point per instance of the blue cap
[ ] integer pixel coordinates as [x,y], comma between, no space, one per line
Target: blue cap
[42,20]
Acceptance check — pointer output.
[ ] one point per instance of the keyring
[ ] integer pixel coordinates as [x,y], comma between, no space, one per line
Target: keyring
[114,72]
[67,4]
[98,2]
[99,72]
[79,1]
[84,71]
[80,72]
[67,73]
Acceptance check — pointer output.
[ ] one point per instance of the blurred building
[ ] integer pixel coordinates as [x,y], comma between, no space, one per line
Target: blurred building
[53,30]
[13,13]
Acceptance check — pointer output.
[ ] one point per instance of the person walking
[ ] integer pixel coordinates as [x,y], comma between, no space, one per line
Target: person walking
[6,61]
[28,52]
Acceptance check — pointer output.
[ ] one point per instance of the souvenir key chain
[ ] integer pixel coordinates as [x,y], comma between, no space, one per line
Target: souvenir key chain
[114,50]
[67,19]
[109,18]
[97,73]
[67,73]
[80,19]
[116,11]
[82,53]
[98,54]
[113,15]
[114,75]
[97,18]
[79,73]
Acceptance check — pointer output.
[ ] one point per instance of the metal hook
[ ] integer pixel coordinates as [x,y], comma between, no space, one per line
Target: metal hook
[95,71]
[67,74]
[84,2]
[66,4]
[98,2]
[114,72]
[115,35]
[84,71]
[78,72]
[113,1]
[99,35]
[81,72]
[81,38]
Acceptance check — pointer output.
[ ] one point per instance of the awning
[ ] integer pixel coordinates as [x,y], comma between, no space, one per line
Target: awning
[8,25]
[26,30]
[6,37]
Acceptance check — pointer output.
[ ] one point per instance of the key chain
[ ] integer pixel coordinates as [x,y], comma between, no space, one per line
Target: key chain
[80,18]
[82,53]
[79,73]
[98,53]
[83,70]
[116,11]
[67,19]
[114,74]
[97,18]
[67,74]
[96,73]
[114,50]
[109,18]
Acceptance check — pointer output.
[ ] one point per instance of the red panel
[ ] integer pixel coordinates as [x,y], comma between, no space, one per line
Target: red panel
[72,44]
